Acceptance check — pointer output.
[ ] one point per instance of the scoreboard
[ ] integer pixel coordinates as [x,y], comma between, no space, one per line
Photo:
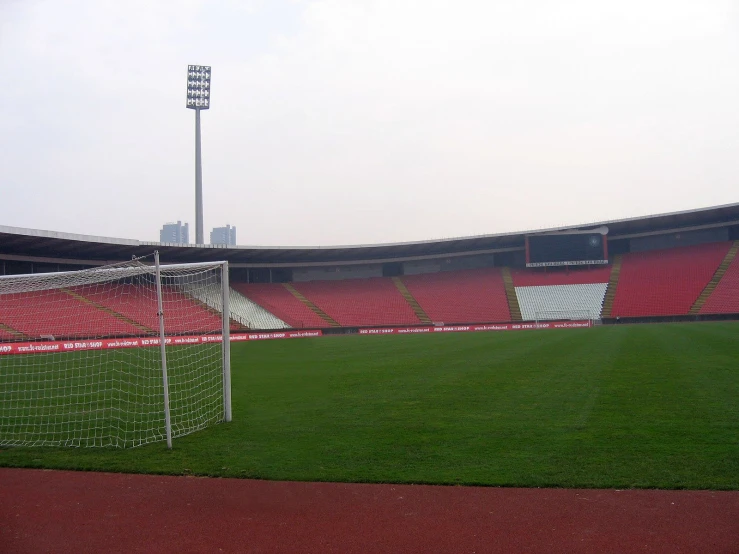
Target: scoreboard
[569,248]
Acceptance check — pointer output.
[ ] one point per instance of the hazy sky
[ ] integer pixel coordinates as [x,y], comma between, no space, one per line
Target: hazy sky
[345,122]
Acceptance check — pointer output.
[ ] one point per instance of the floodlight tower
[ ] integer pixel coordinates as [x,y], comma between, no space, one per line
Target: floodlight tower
[198,98]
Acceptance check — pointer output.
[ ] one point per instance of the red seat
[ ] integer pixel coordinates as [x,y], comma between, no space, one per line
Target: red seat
[275,298]
[59,314]
[139,303]
[360,302]
[467,296]
[665,282]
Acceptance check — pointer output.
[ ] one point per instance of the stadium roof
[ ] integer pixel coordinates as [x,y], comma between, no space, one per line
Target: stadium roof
[35,245]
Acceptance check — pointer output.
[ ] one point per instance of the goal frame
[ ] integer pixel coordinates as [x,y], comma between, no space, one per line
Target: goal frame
[225,339]
[157,270]
[565,315]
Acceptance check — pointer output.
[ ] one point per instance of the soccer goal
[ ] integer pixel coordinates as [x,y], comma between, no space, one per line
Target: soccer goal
[116,356]
[566,315]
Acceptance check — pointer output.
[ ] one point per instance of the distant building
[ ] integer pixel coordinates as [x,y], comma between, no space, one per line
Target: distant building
[175,233]
[223,235]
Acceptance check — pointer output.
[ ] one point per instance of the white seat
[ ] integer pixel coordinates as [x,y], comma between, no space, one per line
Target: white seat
[242,309]
[561,301]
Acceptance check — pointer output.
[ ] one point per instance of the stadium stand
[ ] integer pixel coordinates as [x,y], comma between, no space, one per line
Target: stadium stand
[650,276]
[280,302]
[243,310]
[21,312]
[665,282]
[654,283]
[466,296]
[583,301]
[725,297]
[360,302]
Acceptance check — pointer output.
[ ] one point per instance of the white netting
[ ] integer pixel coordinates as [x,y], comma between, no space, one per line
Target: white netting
[104,392]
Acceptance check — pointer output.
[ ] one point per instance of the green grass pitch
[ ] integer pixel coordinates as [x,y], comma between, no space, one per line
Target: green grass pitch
[613,406]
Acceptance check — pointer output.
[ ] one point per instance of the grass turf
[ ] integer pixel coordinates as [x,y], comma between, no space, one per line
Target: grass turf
[621,406]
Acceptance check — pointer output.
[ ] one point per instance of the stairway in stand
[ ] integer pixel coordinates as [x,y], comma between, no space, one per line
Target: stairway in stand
[315,309]
[108,311]
[9,330]
[510,292]
[715,280]
[412,302]
[612,285]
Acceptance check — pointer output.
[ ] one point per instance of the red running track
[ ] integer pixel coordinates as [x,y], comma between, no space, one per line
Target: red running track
[59,511]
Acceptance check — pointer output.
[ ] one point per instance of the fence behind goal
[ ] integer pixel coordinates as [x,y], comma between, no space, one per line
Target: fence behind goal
[165,375]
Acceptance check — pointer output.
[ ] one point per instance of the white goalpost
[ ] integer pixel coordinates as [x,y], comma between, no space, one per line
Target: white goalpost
[116,356]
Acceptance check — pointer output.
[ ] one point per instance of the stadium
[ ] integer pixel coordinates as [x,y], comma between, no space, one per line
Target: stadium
[485,296]
[570,358]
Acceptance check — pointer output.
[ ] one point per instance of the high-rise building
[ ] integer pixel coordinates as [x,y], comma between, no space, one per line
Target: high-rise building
[223,235]
[175,233]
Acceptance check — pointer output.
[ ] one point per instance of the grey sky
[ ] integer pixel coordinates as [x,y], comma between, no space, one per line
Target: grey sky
[338,121]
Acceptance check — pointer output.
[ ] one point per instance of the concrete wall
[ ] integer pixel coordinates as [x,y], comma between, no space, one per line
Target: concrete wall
[336,273]
[672,240]
[448,264]
[422,266]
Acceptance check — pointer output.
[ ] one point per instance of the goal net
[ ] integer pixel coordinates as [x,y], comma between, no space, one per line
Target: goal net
[117,356]
[565,315]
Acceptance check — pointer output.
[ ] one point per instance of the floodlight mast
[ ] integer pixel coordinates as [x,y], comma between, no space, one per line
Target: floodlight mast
[198,98]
